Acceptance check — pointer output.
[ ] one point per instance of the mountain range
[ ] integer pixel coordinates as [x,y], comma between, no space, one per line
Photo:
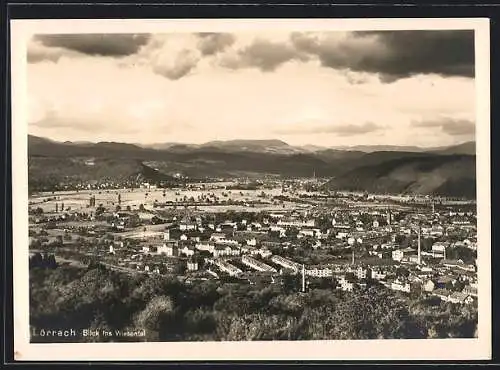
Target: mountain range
[388,169]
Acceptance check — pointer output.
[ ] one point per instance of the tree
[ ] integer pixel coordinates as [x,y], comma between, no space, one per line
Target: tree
[154,317]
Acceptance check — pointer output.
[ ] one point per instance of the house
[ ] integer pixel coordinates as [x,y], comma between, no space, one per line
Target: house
[221,250]
[429,285]
[192,266]
[205,246]
[378,274]
[401,286]
[443,294]
[187,250]
[439,249]
[471,290]
[187,225]
[169,249]
[363,272]
[347,285]
[460,297]
[319,272]
[399,254]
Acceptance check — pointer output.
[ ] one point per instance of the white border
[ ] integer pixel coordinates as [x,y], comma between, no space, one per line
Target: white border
[423,349]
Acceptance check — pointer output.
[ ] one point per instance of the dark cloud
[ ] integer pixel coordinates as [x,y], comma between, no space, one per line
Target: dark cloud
[263,54]
[340,130]
[450,126]
[114,45]
[210,43]
[36,55]
[394,54]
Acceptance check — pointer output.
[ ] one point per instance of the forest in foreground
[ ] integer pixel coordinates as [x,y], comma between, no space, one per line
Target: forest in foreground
[166,309]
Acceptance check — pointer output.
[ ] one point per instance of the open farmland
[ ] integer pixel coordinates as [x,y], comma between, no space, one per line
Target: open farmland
[78,201]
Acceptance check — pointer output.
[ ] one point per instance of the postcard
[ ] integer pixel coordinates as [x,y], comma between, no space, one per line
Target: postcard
[251,189]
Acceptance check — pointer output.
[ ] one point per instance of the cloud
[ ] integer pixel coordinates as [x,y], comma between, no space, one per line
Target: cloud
[450,126]
[37,53]
[210,43]
[179,66]
[393,54]
[263,54]
[114,45]
[340,130]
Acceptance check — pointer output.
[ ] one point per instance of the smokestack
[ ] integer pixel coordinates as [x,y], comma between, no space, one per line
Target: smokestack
[303,278]
[419,247]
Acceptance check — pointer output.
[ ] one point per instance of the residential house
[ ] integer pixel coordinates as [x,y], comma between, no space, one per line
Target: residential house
[460,297]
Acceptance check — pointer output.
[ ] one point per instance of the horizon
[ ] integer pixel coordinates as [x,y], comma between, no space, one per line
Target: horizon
[235,140]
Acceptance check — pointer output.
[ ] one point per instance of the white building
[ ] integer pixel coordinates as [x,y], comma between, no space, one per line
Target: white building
[286,263]
[319,272]
[257,265]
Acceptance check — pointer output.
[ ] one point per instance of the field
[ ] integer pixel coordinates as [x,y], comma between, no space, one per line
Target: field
[79,200]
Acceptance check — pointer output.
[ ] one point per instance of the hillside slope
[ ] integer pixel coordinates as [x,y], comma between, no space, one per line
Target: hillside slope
[453,175]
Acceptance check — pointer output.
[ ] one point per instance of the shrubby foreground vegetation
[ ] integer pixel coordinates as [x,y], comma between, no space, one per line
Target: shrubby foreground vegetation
[168,310]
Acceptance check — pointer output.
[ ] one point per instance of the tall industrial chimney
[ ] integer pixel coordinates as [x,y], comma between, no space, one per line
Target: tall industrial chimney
[419,247]
[303,278]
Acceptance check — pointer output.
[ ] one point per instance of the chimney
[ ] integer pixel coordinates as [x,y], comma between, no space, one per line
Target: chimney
[303,278]
[352,262]
[419,247]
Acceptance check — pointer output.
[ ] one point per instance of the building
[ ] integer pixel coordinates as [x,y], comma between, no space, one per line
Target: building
[192,266]
[378,274]
[443,294]
[439,250]
[205,246]
[222,250]
[362,272]
[403,286]
[187,250]
[399,254]
[169,249]
[347,285]
[319,272]
[257,265]
[296,223]
[227,268]
[460,297]
[471,290]
[286,263]
[429,286]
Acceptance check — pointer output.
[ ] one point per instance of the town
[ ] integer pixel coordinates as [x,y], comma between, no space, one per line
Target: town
[262,233]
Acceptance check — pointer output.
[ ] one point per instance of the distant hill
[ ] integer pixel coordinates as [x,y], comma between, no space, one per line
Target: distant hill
[261,146]
[468,148]
[447,175]
[52,170]
[385,148]
[446,171]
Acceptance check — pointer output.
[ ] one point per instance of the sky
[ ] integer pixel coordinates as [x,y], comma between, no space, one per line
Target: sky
[331,88]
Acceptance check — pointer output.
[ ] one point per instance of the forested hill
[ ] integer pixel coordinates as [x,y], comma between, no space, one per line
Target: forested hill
[446,175]
[443,171]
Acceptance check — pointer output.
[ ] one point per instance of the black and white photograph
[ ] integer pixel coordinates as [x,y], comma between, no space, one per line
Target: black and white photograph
[310,184]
